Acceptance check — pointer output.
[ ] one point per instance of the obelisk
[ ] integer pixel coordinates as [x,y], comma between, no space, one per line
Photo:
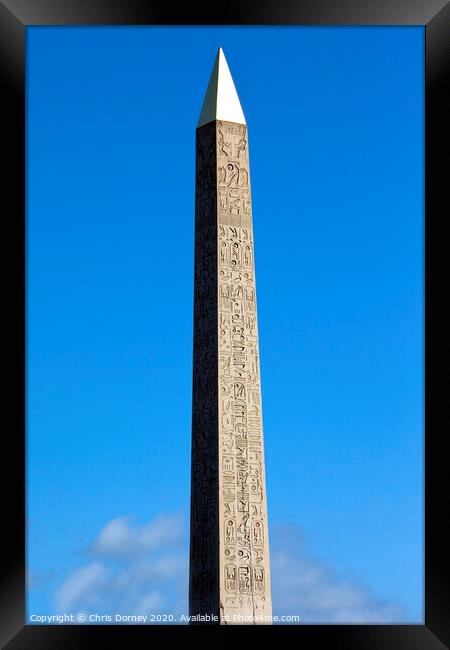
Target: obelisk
[229,551]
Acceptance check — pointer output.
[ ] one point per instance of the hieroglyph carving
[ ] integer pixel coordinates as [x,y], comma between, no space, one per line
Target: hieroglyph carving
[232,477]
[241,472]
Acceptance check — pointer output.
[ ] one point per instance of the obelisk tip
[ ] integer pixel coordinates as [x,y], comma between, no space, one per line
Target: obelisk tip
[221,99]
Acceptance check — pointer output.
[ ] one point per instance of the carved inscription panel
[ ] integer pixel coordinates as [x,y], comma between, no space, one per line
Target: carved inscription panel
[229,561]
[233,180]
[244,550]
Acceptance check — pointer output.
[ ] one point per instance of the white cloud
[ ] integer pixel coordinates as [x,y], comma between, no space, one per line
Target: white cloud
[120,539]
[36,580]
[116,538]
[144,569]
[82,586]
[151,602]
[136,570]
[305,586]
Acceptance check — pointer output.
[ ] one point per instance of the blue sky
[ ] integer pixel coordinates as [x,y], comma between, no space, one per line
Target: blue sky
[335,118]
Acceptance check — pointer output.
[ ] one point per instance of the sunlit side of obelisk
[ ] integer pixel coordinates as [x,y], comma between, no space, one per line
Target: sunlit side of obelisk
[229,551]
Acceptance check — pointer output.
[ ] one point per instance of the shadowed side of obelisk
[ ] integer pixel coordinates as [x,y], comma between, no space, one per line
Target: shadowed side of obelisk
[204,547]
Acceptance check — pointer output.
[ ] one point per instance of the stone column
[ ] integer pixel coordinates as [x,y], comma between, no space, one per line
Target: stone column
[229,560]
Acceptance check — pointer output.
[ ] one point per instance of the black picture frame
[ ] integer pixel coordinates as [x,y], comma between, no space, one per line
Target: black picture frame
[15,16]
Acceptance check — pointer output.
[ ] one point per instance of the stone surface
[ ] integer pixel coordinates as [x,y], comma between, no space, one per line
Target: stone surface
[229,555]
